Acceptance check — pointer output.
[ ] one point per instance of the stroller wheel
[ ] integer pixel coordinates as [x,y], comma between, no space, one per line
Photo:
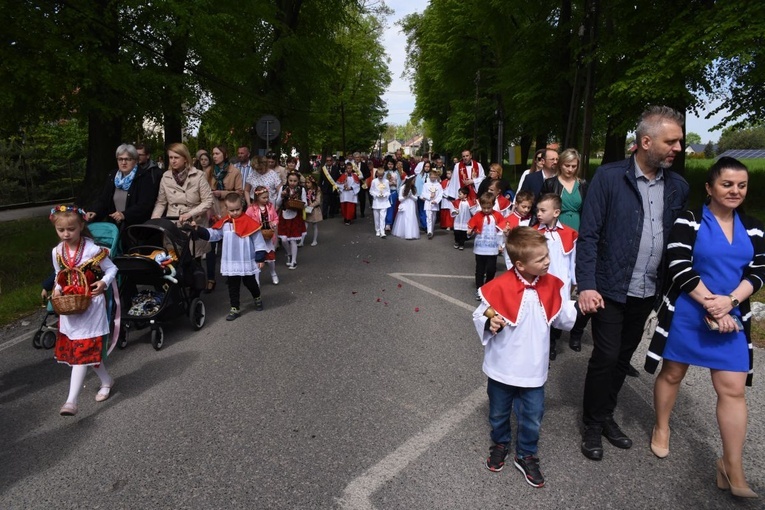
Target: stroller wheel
[122,340]
[197,314]
[37,340]
[157,338]
[48,339]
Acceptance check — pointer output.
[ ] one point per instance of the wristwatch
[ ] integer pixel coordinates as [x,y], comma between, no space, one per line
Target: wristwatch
[733,300]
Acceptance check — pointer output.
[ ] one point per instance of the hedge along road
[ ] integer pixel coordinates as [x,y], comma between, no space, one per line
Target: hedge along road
[359,386]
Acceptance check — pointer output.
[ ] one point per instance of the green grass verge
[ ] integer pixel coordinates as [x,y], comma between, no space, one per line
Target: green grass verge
[26,263]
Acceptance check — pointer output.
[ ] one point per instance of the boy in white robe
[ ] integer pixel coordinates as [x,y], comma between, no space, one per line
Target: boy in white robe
[513,323]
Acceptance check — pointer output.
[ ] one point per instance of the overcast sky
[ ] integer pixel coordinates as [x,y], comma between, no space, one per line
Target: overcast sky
[401,101]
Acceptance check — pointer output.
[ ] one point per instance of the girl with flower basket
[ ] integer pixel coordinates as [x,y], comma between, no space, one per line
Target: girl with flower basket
[83,273]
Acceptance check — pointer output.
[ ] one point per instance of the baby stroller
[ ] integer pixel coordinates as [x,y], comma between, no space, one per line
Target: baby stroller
[160,279]
[104,234]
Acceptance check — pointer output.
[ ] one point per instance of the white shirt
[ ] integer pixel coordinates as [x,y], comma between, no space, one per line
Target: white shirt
[520,355]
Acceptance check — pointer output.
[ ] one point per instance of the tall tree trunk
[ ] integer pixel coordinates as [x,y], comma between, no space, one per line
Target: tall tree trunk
[175,54]
[104,130]
[614,145]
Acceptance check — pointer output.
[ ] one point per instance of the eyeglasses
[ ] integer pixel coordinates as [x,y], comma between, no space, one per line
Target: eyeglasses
[124,160]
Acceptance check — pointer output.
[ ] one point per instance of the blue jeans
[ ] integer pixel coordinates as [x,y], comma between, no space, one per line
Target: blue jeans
[529,407]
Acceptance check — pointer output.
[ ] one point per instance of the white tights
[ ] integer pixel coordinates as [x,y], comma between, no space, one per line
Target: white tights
[315,233]
[78,378]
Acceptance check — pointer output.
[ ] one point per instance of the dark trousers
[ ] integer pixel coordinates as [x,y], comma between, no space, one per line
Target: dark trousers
[210,259]
[460,236]
[234,283]
[362,201]
[485,265]
[616,333]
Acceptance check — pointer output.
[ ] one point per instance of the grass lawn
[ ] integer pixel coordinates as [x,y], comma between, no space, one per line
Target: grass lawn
[27,246]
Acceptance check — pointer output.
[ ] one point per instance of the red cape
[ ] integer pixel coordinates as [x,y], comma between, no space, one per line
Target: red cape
[477,222]
[456,203]
[244,226]
[567,236]
[514,220]
[504,293]
[342,178]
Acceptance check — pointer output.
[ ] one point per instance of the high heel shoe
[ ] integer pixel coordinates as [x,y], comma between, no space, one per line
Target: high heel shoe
[657,450]
[723,482]
[210,286]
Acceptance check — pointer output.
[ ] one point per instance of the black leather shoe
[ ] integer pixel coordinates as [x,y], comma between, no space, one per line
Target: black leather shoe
[592,446]
[615,436]
[553,353]
[632,372]
[575,342]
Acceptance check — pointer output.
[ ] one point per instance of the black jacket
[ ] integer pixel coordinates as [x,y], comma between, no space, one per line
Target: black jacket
[140,200]
[553,185]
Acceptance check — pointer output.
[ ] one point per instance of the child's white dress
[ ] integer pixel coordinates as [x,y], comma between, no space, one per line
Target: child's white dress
[406,225]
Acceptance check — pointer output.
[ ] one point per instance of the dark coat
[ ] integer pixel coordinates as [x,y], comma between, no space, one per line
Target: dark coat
[140,200]
[553,185]
[612,223]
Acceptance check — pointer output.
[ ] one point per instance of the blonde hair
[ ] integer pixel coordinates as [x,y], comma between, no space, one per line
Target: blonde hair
[522,241]
[568,156]
[181,150]
[498,168]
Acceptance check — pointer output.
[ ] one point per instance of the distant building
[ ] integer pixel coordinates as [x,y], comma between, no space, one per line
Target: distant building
[412,146]
[698,148]
[393,146]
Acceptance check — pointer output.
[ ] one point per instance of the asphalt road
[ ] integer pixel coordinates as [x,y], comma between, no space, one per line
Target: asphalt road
[359,386]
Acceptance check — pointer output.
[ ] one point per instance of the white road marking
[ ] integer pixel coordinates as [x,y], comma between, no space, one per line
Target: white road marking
[357,493]
[13,341]
[445,297]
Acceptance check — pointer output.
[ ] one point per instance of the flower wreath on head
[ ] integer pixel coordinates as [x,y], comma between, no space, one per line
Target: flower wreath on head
[67,208]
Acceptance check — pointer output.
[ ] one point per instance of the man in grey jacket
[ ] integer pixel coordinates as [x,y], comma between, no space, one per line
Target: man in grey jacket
[627,215]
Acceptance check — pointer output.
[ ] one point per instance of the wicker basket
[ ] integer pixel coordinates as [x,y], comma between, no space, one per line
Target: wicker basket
[72,304]
[295,205]
[267,233]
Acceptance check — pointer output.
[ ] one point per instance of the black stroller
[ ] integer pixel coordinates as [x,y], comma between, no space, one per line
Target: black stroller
[160,279]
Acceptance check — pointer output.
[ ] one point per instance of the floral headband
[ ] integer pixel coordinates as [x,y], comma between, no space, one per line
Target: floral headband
[66,208]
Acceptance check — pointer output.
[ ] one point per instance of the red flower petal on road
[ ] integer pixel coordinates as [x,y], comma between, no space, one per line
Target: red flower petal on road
[399,285]
[385,303]
[365,261]
[378,300]
[416,308]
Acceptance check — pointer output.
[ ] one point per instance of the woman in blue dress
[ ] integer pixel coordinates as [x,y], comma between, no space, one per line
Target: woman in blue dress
[715,261]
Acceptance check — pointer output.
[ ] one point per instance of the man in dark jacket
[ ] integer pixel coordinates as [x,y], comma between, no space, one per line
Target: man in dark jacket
[146,163]
[627,215]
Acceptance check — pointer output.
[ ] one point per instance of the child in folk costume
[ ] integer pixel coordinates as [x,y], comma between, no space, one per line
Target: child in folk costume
[487,225]
[561,241]
[432,193]
[513,320]
[313,207]
[264,212]
[291,223]
[242,254]
[445,220]
[406,225]
[349,185]
[81,338]
[461,211]
[379,191]
[520,217]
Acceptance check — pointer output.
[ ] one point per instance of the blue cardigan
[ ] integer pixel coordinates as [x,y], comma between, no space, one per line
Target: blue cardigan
[612,222]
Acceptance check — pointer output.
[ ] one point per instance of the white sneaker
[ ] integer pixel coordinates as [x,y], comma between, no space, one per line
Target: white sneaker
[300,244]
[314,243]
[274,279]
[293,266]
[377,234]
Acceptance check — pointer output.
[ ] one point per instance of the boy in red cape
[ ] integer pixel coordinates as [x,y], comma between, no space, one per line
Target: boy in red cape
[513,322]
[242,252]
[487,225]
[349,185]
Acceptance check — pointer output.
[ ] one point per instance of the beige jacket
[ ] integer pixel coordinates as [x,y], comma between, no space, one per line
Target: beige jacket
[194,197]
